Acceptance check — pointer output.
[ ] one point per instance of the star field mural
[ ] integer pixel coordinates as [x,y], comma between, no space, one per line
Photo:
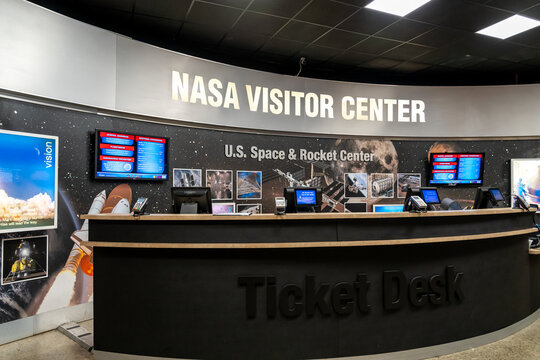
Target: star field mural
[246,168]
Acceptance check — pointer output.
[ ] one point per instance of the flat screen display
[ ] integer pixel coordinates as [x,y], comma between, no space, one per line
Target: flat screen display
[388,208]
[525,179]
[496,194]
[430,196]
[306,197]
[130,156]
[28,181]
[456,169]
[223,208]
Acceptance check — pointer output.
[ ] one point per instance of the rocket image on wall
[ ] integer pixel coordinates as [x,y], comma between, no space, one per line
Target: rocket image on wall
[62,291]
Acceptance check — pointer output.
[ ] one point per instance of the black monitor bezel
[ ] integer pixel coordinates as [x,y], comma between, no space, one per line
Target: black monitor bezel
[429,176]
[97,141]
[175,208]
[484,199]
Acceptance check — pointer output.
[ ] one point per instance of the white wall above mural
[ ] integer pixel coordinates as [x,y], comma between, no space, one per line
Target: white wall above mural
[55,57]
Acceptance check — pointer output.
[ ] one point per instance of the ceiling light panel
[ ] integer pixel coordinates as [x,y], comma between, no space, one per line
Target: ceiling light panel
[509,27]
[396,7]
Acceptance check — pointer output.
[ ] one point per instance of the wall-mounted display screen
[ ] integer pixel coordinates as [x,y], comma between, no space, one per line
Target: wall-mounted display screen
[28,181]
[130,156]
[525,179]
[456,169]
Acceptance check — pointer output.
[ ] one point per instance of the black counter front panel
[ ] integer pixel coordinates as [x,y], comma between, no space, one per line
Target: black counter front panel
[193,304]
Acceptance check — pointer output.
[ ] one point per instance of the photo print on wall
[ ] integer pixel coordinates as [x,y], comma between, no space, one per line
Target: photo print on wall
[355,185]
[24,259]
[187,177]
[525,179]
[248,184]
[249,208]
[404,180]
[382,185]
[220,183]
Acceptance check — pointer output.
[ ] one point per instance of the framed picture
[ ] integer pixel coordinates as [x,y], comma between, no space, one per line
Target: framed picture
[24,259]
[187,177]
[404,180]
[382,185]
[220,183]
[249,208]
[248,185]
[356,185]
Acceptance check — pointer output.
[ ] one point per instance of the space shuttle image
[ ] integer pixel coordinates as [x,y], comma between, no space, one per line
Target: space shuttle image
[62,291]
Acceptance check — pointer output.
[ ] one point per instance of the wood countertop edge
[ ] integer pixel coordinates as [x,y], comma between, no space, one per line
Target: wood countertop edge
[319,244]
[310,216]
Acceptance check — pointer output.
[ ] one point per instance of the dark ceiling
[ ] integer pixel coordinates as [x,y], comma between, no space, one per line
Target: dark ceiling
[340,39]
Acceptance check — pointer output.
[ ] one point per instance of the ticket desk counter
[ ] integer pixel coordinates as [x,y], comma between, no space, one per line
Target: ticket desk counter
[307,286]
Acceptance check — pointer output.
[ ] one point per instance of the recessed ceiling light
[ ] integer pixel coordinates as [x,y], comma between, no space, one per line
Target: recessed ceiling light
[509,27]
[396,7]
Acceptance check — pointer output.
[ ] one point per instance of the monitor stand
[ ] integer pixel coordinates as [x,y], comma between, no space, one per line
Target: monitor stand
[189,208]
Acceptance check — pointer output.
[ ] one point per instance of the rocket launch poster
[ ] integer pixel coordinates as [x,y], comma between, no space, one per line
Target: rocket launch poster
[245,171]
[27,181]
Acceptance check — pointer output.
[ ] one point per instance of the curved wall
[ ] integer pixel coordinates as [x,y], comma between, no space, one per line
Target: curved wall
[55,57]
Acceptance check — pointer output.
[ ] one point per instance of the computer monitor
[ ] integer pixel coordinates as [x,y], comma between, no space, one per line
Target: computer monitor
[496,193]
[388,208]
[191,200]
[430,195]
[303,199]
[487,197]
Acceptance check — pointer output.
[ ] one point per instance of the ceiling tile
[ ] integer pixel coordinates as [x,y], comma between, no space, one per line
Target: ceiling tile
[325,12]
[516,53]
[283,46]
[530,37]
[314,53]
[406,52]
[368,21]
[352,58]
[170,9]
[380,63]
[375,46]
[196,33]
[285,8]
[463,61]
[159,26]
[234,3]
[404,30]
[409,67]
[248,41]
[301,31]
[533,12]
[439,37]
[513,5]
[259,23]
[213,16]
[340,39]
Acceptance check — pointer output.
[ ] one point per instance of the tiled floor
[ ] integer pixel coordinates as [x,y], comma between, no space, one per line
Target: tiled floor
[523,345]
